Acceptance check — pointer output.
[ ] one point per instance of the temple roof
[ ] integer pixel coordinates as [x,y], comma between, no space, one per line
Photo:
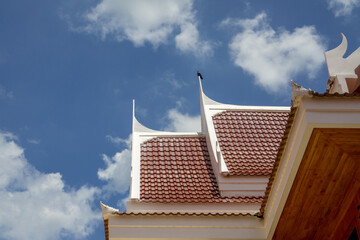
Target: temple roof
[249,140]
[248,161]
[178,169]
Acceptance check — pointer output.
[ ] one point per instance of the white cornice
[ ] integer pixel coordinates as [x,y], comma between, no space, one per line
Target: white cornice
[185,227]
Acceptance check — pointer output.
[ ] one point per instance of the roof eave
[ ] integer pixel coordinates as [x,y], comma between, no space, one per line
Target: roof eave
[313,110]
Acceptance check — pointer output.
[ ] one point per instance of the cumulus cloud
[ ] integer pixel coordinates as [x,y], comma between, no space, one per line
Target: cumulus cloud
[180,122]
[118,140]
[117,170]
[143,21]
[189,41]
[343,7]
[275,57]
[35,205]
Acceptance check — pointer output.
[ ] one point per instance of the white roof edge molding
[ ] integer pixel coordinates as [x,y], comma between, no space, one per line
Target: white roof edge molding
[207,128]
[107,210]
[137,127]
[214,105]
[340,68]
[205,99]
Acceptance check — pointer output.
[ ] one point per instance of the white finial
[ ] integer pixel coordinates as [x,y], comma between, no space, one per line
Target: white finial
[340,68]
[133,107]
[133,117]
[137,126]
[339,65]
[107,210]
[203,98]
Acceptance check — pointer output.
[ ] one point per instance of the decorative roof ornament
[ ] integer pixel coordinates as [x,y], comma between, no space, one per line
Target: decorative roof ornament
[107,210]
[342,71]
[136,125]
[298,92]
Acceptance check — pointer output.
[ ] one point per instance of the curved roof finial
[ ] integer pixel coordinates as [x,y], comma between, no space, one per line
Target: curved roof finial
[340,50]
[136,125]
[133,117]
[203,98]
[337,64]
[133,112]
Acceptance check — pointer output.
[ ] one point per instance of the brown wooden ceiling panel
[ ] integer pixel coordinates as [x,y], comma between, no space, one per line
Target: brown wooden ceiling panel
[324,187]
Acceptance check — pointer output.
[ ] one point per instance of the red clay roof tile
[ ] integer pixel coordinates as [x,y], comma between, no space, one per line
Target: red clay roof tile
[186,177]
[249,140]
[180,214]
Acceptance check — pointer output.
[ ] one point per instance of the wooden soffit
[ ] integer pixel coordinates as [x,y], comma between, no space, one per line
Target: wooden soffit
[326,188]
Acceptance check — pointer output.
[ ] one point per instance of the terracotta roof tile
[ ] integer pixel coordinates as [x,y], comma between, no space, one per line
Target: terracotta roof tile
[326,94]
[186,176]
[249,140]
[182,214]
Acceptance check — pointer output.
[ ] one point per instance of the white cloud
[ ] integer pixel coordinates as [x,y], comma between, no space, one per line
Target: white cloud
[117,170]
[35,205]
[117,140]
[180,122]
[275,57]
[189,41]
[143,21]
[122,203]
[343,7]
[118,167]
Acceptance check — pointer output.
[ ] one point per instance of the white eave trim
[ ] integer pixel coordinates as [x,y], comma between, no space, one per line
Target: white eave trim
[185,227]
[107,210]
[226,107]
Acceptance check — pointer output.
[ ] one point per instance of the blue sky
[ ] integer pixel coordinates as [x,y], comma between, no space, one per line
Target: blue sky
[70,69]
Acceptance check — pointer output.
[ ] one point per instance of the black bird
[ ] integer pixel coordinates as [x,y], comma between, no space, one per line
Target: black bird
[199,75]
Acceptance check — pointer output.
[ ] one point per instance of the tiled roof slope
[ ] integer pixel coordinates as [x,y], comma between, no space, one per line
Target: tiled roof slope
[249,140]
[178,170]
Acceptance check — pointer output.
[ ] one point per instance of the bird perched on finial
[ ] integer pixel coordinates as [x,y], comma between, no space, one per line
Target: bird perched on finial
[199,75]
